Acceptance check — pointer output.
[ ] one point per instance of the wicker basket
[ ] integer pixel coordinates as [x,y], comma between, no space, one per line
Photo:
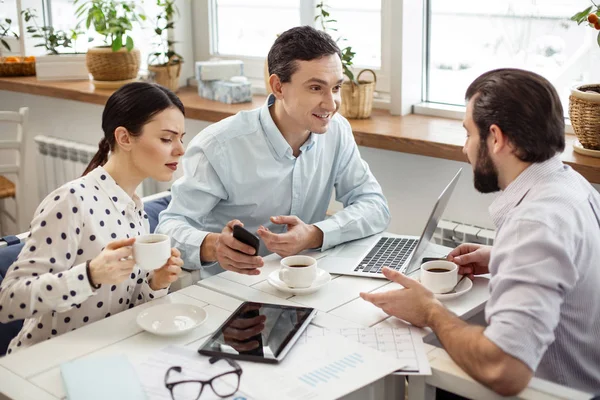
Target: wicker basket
[19,68]
[107,65]
[584,111]
[167,75]
[357,99]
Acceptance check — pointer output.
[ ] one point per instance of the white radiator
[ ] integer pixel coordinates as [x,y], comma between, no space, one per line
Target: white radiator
[60,161]
[451,234]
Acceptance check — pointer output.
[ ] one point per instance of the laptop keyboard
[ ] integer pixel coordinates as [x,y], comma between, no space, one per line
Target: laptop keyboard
[388,252]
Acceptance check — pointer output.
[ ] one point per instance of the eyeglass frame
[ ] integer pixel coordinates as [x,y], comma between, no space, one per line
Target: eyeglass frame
[237,370]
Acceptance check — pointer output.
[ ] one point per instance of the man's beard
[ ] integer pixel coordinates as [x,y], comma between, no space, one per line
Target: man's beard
[485,174]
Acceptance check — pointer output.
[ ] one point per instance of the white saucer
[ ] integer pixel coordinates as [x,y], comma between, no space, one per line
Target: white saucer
[171,319]
[461,289]
[323,279]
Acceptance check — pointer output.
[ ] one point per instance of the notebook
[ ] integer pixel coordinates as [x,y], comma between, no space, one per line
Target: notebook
[96,378]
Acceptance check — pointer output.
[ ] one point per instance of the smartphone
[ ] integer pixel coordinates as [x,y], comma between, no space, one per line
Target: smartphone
[246,237]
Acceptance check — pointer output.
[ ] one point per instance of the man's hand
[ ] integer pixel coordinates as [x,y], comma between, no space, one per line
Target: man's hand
[472,259]
[413,304]
[299,236]
[168,273]
[234,255]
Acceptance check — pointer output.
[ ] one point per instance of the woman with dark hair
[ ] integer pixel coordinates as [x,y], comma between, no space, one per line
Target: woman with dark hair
[75,267]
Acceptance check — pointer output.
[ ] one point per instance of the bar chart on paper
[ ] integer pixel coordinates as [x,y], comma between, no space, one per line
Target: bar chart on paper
[331,371]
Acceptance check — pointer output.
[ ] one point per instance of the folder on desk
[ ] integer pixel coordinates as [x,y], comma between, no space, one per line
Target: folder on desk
[101,378]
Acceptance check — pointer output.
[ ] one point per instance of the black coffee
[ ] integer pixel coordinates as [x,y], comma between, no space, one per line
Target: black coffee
[298,266]
[438,270]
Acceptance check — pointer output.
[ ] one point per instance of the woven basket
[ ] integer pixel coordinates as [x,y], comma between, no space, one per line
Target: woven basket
[584,112]
[107,65]
[167,75]
[357,99]
[20,68]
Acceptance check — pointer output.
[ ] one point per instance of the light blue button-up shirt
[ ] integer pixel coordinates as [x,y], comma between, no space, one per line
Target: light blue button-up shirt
[243,168]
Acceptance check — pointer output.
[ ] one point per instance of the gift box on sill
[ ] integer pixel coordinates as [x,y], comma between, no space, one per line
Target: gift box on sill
[231,92]
[218,70]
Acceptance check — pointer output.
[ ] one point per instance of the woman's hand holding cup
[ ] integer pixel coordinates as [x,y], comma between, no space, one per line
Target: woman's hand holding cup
[114,264]
[168,273]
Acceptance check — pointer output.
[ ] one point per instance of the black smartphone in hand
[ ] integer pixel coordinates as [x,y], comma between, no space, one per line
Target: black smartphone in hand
[246,237]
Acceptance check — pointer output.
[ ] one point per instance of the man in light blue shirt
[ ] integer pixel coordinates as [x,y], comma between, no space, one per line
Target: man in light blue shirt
[274,169]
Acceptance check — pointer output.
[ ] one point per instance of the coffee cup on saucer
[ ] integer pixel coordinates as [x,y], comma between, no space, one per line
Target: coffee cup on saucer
[298,271]
[439,276]
[151,251]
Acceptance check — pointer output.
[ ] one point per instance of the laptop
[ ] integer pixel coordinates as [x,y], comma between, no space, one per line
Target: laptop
[368,256]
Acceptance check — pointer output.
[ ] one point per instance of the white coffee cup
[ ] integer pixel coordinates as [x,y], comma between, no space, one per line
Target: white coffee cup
[436,281]
[151,251]
[298,271]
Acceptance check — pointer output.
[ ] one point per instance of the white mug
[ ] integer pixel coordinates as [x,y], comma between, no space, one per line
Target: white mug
[298,271]
[439,282]
[151,251]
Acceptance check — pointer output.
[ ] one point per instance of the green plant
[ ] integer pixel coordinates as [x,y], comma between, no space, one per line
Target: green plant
[323,17]
[6,31]
[112,19]
[591,15]
[52,39]
[165,52]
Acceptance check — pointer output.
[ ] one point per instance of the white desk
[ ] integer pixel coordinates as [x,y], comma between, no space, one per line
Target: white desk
[34,373]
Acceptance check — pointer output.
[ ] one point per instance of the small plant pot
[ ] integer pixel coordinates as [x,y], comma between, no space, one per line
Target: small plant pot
[167,75]
[584,112]
[357,98]
[107,65]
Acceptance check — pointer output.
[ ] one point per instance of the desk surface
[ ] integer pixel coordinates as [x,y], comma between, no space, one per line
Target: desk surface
[35,372]
[415,134]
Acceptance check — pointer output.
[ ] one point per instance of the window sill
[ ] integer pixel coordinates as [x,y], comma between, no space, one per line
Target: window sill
[430,136]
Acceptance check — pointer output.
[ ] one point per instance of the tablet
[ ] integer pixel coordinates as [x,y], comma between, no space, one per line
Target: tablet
[259,332]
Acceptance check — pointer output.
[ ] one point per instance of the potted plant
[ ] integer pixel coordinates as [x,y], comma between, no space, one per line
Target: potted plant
[357,94]
[117,61]
[56,65]
[13,65]
[584,101]
[165,63]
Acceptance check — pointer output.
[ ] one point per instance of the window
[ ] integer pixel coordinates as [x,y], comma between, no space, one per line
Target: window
[236,33]
[62,16]
[469,37]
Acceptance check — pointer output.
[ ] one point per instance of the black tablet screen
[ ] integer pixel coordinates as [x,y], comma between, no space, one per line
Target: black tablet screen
[257,331]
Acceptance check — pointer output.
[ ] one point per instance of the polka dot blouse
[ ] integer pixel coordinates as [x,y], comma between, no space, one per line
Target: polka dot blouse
[48,285]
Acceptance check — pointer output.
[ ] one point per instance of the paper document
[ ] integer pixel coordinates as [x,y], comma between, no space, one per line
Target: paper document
[327,367]
[406,344]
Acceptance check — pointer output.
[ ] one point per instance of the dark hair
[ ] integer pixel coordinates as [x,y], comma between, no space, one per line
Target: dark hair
[525,106]
[303,43]
[131,107]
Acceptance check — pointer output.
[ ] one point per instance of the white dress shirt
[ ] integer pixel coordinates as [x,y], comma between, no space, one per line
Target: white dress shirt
[48,285]
[544,306]
[243,168]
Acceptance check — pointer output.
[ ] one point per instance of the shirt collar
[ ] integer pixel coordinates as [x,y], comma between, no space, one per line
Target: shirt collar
[115,193]
[274,136]
[514,193]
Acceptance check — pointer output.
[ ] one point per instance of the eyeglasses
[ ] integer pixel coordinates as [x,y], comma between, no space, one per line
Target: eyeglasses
[223,385]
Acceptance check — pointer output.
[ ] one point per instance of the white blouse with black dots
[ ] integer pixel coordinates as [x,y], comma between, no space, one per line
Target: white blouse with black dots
[48,285]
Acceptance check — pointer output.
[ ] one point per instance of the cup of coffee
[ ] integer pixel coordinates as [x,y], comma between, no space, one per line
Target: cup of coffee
[298,271]
[151,251]
[439,276]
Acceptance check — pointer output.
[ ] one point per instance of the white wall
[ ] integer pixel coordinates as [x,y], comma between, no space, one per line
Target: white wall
[411,183]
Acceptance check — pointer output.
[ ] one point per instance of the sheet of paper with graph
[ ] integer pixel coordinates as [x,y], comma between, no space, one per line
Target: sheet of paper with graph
[405,343]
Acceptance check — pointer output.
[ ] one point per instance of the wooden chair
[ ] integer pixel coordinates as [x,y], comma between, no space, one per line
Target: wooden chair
[9,188]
